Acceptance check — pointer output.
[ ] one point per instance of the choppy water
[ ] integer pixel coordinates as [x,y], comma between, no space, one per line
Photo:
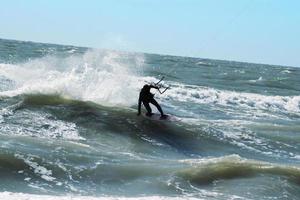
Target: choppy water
[68,126]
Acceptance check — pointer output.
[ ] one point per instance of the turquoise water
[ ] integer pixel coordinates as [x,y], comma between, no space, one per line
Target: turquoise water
[68,125]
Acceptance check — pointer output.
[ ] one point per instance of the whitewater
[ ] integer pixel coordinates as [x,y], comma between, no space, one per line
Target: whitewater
[69,127]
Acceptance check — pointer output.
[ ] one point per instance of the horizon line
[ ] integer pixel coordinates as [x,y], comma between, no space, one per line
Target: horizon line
[162,54]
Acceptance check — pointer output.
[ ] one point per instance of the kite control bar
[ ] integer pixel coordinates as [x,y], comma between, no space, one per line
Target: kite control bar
[162,78]
[164,90]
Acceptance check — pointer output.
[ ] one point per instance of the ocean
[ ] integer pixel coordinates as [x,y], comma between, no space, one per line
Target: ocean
[69,127]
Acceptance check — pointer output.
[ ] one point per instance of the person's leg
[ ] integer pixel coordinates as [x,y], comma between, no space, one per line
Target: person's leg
[154,102]
[148,108]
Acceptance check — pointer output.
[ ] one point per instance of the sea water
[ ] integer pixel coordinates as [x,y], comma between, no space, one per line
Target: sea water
[69,129]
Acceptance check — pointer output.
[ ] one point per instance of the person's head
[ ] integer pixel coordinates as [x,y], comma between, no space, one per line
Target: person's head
[146,87]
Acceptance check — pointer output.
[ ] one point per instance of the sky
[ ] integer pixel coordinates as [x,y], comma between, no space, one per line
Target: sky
[258,31]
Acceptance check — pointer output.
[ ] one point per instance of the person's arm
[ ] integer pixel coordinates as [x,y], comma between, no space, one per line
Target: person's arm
[139,105]
[153,86]
[156,87]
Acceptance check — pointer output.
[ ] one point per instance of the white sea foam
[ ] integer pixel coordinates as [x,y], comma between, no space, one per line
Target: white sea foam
[205,95]
[22,196]
[47,127]
[286,71]
[43,172]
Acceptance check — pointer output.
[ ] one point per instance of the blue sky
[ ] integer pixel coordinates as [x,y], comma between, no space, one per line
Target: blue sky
[260,31]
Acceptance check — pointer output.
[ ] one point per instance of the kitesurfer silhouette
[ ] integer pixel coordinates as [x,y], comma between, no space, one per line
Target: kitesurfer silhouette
[146,97]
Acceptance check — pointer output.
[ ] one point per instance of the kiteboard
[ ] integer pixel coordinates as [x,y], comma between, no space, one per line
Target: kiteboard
[157,117]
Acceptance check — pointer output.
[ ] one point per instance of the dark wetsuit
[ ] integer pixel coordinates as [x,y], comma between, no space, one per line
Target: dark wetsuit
[147,97]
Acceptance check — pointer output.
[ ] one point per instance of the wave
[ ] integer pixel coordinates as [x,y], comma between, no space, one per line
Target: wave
[105,77]
[38,124]
[67,119]
[231,167]
[64,118]
[199,171]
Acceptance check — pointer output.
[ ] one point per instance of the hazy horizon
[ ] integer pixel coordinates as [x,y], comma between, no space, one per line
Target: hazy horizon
[148,53]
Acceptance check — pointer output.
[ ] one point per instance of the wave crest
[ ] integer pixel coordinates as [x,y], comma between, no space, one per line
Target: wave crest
[233,166]
[105,77]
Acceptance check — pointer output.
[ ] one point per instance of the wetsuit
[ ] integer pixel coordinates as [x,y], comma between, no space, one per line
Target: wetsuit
[147,97]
